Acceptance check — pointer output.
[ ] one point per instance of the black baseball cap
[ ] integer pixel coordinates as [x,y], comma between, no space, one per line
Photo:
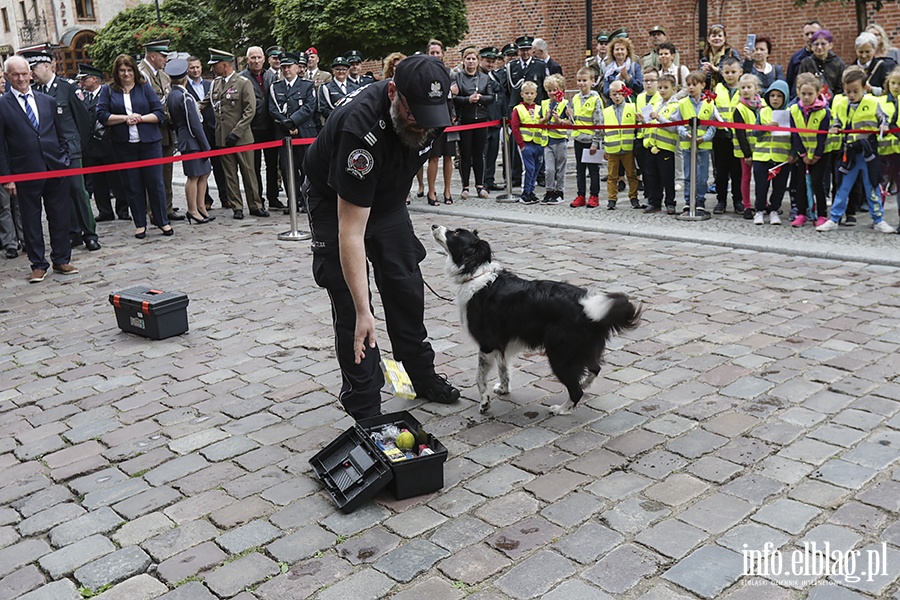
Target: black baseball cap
[425,84]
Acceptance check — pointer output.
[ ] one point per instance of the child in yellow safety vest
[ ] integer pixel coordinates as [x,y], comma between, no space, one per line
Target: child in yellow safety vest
[695,105]
[618,145]
[586,109]
[530,141]
[889,146]
[727,165]
[811,149]
[858,159]
[747,110]
[661,144]
[650,96]
[772,150]
[553,112]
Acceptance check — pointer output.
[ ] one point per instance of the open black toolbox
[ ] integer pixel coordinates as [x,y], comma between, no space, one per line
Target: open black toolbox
[354,469]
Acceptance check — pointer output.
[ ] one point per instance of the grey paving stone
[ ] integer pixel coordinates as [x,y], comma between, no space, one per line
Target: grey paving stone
[588,542]
[302,544]
[575,589]
[8,516]
[456,502]
[634,514]
[350,524]
[525,536]
[861,517]
[498,481]
[305,578]
[195,441]
[192,590]
[415,521]
[542,459]
[597,463]
[532,437]
[20,554]
[143,528]
[756,588]
[623,568]
[619,485]
[714,469]
[716,513]
[753,487]
[98,481]
[139,587]
[507,509]
[21,581]
[231,578]
[491,455]
[877,559]
[787,515]
[874,454]
[198,506]
[535,575]
[147,502]
[293,489]
[573,509]
[55,590]
[752,537]
[175,469]
[408,561]
[116,493]
[433,587]
[189,563]
[255,533]
[837,434]
[696,443]
[254,483]
[837,538]
[460,533]
[67,559]
[49,518]
[658,464]
[295,515]
[676,489]
[368,547]
[102,520]
[832,592]
[785,470]
[177,540]
[663,592]
[809,450]
[671,538]
[364,585]
[474,565]
[113,568]
[707,571]
[843,473]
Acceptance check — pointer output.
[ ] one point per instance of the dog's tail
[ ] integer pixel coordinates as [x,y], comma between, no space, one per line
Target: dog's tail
[613,310]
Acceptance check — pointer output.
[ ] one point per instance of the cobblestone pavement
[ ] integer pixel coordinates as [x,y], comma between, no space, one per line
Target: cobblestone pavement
[757,404]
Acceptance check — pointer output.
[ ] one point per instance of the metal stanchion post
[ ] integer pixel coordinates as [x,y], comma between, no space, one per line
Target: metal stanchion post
[692,214]
[507,163]
[294,235]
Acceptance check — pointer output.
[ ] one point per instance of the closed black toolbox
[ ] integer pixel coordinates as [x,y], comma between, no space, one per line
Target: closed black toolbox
[354,468]
[152,313]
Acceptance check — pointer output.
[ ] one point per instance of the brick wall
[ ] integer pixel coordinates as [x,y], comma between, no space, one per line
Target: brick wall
[561,23]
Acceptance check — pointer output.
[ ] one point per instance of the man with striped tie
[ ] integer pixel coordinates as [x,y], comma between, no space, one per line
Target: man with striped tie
[31,140]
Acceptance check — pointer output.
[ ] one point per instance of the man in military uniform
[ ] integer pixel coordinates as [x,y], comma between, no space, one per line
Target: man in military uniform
[234,103]
[292,105]
[354,57]
[98,152]
[597,63]
[359,172]
[262,127]
[151,68]
[273,57]
[75,122]
[313,72]
[335,90]
[651,59]
[527,68]
[199,88]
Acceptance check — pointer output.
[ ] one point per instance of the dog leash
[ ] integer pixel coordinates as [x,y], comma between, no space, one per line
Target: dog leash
[435,293]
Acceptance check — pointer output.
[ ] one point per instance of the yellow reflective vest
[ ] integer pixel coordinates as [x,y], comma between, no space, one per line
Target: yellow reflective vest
[640,102]
[584,113]
[750,116]
[707,110]
[890,144]
[771,146]
[816,117]
[617,141]
[561,113]
[535,136]
[660,137]
[726,100]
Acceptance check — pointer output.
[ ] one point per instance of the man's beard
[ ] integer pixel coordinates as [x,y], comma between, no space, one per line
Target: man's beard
[411,138]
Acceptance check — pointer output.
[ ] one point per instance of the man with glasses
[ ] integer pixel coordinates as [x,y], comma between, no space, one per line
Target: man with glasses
[793,68]
[358,174]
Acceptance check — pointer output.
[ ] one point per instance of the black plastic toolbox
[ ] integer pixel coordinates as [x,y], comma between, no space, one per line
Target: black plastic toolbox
[150,312]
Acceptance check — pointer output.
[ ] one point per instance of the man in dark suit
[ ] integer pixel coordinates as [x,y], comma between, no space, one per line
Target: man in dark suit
[541,51]
[31,140]
[292,105]
[199,88]
[355,77]
[98,152]
[76,126]
[262,126]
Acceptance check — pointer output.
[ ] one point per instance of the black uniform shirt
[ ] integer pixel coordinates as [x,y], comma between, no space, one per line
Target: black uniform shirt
[358,156]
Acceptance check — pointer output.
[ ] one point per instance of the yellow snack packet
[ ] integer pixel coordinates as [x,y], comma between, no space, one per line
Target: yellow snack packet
[398,378]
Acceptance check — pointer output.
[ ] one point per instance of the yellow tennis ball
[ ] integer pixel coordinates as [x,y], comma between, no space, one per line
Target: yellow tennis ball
[406,441]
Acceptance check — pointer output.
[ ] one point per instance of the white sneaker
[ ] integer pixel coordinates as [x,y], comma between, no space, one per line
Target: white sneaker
[883,227]
[759,218]
[828,225]
[774,219]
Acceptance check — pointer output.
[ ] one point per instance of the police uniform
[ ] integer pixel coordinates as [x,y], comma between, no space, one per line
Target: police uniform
[359,157]
[234,103]
[293,108]
[162,85]
[517,73]
[263,129]
[75,125]
[597,64]
[353,57]
[495,113]
[332,92]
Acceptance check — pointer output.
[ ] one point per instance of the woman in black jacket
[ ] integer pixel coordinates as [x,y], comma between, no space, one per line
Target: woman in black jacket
[476,92]
[824,64]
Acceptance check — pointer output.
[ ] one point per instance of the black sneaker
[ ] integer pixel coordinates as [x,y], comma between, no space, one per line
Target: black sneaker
[611,205]
[436,389]
[849,221]
[719,209]
[748,213]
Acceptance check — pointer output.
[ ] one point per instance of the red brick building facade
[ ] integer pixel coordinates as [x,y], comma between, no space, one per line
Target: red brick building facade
[562,24]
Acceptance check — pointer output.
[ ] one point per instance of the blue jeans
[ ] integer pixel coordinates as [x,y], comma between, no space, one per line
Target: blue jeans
[858,168]
[702,176]
[532,157]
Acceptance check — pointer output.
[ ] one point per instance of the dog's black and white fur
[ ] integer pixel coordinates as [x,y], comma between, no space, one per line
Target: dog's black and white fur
[505,313]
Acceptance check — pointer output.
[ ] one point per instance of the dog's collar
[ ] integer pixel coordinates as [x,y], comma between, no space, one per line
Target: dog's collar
[489,271]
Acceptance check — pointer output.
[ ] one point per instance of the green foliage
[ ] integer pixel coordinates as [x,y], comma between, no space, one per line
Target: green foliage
[374,27]
[192,25]
[246,22]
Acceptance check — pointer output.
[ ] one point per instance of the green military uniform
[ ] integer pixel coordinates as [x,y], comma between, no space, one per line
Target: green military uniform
[234,103]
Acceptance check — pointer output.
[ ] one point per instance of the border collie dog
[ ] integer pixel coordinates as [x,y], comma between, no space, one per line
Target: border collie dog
[505,314]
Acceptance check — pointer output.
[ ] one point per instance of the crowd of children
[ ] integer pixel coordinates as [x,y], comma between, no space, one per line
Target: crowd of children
[859,167]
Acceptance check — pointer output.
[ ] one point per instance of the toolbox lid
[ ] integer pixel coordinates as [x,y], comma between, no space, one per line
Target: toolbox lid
[150,301]
[352,470]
